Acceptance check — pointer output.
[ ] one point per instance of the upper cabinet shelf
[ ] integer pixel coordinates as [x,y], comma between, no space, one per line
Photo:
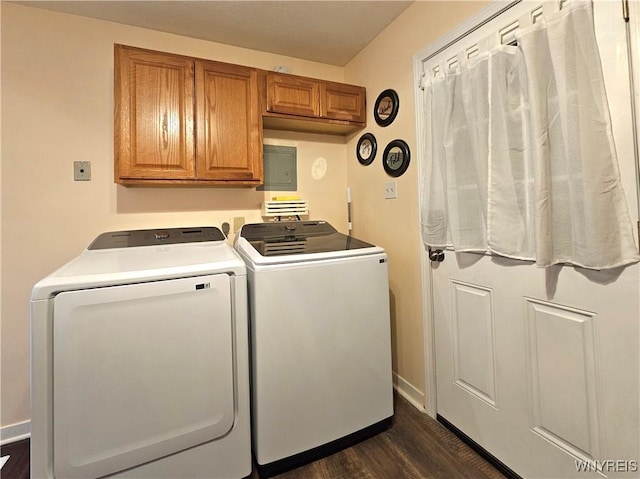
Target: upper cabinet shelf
[291,102]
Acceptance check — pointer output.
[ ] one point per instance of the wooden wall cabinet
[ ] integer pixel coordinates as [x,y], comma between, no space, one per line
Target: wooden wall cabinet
[183,120]
[292,102]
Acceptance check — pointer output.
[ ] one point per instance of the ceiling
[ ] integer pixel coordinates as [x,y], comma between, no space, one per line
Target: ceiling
[330,32]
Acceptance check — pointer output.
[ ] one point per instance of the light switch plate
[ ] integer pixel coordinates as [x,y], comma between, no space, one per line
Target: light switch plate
[82,170]
[390,190]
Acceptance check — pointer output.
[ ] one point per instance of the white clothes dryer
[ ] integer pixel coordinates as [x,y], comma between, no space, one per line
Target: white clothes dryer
[139,360]
[320,333]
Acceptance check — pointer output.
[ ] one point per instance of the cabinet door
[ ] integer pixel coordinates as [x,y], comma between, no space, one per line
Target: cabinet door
[292,95]
[229,131]
[154,101]
[342,102]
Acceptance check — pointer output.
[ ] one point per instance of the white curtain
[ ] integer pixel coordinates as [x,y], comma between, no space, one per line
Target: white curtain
[522,161]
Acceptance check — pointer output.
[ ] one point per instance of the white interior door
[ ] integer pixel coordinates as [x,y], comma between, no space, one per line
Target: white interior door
[140,371]
[541,366]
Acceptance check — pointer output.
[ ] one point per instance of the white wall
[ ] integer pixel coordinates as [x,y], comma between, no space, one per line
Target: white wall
[57,107]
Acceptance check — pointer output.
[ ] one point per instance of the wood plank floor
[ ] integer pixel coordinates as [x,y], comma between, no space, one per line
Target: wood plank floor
[17,467]
[414,447]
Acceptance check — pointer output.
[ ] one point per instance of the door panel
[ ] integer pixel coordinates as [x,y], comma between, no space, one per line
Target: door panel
[154,117]
[472,320]
[342,102]
[292,95]
[141,371]
[229,122]
[565,407]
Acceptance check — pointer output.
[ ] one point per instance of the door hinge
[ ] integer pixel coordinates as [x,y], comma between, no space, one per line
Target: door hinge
[422,81]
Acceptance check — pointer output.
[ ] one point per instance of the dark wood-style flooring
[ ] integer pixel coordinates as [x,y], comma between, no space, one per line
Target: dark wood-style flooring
[414,447]
[17,467]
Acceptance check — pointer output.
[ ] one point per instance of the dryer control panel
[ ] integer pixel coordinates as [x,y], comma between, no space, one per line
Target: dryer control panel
[150,237]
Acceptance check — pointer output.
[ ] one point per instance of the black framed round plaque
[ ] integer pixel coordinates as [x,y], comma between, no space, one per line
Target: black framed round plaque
[396,158]
[386,107]
[366,149]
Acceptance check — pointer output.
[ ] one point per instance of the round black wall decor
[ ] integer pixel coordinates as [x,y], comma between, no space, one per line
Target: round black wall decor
[386,107]
[366,149]
[396,157]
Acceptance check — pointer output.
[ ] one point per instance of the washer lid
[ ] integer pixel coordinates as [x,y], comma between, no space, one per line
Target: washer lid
[134,264]
[297,241]
[298,237]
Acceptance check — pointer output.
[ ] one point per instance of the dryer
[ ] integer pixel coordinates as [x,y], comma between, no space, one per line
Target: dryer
[139,360]
[320,340]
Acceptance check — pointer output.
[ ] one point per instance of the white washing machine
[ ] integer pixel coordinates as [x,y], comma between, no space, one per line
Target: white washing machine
[320,334]
[139,360]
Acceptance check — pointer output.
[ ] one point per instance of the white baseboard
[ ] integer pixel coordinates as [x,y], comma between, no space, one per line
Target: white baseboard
[15,432]
[409,392]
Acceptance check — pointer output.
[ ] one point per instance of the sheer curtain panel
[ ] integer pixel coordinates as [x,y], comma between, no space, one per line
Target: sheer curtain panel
[522,159]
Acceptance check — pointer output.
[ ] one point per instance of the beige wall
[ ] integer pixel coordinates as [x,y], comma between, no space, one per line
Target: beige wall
[57,107]
[57,81]
[387,62]
[1,388]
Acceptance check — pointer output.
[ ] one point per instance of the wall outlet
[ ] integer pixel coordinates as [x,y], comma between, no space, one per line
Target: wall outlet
[238,221]
[82,171]
[390,190]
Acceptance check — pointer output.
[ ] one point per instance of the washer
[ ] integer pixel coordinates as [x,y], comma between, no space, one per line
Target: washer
[139,360]
[320,334]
